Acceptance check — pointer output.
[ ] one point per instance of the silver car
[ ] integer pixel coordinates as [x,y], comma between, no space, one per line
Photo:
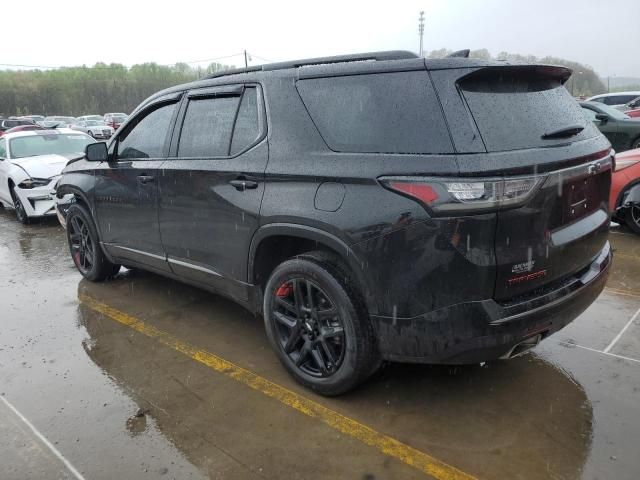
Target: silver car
[96,128]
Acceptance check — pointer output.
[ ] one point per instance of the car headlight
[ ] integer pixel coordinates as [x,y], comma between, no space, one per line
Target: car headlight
[34,182]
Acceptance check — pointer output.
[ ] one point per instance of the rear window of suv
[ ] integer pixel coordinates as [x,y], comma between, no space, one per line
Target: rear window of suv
[515,108]
[377,113]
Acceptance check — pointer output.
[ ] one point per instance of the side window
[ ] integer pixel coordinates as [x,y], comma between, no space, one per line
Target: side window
[247,126]
[614,100]
[145,136]
[3,148]
[207,126]
[382,113]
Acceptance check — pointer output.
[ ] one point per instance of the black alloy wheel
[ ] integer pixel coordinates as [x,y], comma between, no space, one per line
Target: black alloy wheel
[84,245]
[83,248]
[317,323]
[309,328]
[632,218]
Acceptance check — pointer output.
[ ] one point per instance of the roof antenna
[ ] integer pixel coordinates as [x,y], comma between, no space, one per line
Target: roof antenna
[459,54]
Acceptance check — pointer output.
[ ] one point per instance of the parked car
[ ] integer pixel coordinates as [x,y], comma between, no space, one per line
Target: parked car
[8,123]
[633,113]
[22,128]
[114,120]
[33,118]
[96,128]
[622,131]
[632,105]
[84,118]
[51,124]
[470,254]
[31,163]
[617,99]
[625,189]
[62,119]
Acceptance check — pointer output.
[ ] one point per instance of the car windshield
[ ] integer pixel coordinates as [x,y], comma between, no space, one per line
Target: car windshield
[46,144]
[94,123]
[612,112]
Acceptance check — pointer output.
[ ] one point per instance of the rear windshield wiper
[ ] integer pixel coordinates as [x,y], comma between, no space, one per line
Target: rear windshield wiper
[563,132]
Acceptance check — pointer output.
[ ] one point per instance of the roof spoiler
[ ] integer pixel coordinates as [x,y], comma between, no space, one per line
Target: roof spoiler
[558,72]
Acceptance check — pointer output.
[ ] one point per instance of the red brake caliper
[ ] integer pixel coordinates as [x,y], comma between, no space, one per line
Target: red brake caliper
[284,290]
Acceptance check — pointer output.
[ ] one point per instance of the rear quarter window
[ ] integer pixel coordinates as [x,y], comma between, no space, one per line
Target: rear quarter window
[377,113]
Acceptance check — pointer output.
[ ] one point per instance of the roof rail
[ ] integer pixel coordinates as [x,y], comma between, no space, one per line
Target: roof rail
[357,57]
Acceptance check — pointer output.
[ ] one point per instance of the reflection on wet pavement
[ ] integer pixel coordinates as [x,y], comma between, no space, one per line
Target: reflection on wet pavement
[121,405]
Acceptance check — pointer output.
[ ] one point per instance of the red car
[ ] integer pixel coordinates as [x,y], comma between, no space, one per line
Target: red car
[114,120]
[22,128]
[633,113]
[624,200]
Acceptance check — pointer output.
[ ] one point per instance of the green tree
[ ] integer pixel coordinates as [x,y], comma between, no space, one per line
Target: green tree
[88,90]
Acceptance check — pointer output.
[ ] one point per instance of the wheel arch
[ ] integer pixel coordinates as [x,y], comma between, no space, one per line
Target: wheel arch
[625,189]
[81,196]
[296,239]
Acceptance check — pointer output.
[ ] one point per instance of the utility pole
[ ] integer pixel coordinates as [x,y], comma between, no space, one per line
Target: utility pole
[245,59]
[421,31]
[608,89]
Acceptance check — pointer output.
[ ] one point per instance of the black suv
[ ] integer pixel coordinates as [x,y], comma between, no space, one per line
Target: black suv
[371,207]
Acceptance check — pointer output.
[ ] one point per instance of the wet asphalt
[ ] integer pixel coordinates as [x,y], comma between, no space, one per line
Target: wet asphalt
[86,396]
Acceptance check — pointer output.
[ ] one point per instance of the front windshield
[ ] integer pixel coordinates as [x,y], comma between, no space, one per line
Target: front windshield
[612,112]
[54,143]
[94,123]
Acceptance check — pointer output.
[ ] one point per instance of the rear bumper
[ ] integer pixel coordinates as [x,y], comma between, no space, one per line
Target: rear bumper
[475,332]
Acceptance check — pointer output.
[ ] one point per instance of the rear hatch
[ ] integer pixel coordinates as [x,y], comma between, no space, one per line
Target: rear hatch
[530,126]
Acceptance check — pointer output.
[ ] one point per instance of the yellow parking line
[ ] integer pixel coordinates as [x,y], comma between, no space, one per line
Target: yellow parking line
[385,444]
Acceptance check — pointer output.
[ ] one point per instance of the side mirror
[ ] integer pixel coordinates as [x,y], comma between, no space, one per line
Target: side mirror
[603,117]
[96,152]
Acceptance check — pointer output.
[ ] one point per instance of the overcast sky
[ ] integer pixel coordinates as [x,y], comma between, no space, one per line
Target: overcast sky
[75,32]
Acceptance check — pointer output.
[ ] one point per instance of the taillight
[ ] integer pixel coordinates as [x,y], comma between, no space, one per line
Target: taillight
[466,195]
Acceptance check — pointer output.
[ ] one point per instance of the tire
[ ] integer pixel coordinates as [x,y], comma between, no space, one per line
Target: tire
[632,218]
[332,350]
[21,215]
[84,246]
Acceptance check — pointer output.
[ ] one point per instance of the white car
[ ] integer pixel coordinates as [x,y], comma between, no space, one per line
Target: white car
[30,164]
[616,99]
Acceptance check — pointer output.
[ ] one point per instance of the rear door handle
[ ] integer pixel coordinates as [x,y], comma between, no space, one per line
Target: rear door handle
[242,184]
[145,179]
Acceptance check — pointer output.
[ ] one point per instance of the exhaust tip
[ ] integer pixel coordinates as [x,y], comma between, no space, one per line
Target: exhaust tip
[522,347]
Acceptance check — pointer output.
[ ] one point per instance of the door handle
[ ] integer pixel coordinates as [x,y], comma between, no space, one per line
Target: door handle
[145,179]
[241,184]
